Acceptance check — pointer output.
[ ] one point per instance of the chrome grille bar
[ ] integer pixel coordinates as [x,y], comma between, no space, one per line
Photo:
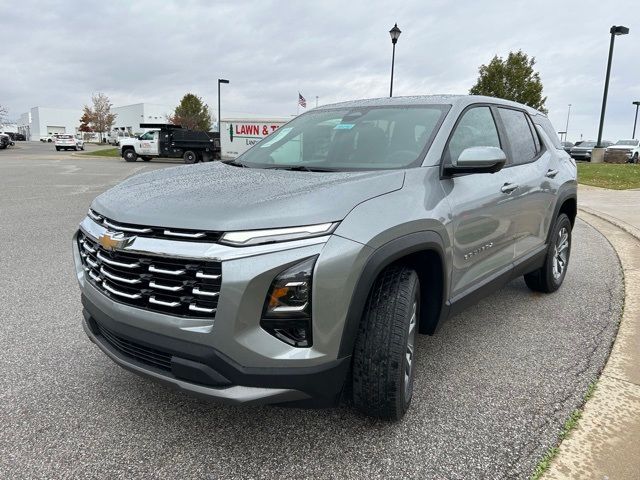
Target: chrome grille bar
[207,276]
[169,288]
[163,303]
[132,296]
[108,261]
[195,308]
[171,233]
[122,228]
[206,293]
[130,281]
[153,269]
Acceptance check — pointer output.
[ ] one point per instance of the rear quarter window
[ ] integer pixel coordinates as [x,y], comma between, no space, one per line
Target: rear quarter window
[521,141]
[545,124]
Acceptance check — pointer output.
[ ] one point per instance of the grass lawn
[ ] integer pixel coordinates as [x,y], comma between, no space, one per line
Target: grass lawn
[105,152]
[609,175]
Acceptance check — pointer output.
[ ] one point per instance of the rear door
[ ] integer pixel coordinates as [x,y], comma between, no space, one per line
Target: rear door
[482,207]
[530,169]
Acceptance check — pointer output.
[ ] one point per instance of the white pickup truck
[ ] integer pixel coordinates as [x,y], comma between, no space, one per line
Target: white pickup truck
[171,141]
[630,147]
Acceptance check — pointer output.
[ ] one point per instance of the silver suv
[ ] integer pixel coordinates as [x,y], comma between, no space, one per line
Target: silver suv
[301,272]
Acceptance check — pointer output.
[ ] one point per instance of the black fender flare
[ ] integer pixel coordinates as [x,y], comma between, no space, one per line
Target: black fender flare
[378,260]
[565,192]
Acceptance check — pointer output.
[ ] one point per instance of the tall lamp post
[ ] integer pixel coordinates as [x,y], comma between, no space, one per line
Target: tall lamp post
[566,128]
[615,31]
[395,34]
[220,80]
[637,104]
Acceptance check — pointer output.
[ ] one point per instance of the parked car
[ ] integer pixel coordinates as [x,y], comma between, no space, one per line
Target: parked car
[302,271]
[567,146]
[20,137]
[631,149]
[5,141]
[68,142]
[583,149]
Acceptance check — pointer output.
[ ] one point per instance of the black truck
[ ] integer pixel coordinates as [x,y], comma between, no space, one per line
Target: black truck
[171,141]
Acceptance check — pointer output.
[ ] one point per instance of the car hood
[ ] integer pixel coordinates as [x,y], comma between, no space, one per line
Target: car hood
[220,197]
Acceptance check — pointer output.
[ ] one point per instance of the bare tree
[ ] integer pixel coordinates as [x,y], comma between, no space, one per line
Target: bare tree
[3,113]
[100,117]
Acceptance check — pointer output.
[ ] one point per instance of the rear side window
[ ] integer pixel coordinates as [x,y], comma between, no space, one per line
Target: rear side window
[544,122]
[476,128]
[523,147]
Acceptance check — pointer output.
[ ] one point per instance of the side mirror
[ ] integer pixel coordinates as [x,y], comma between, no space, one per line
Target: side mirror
[477,160]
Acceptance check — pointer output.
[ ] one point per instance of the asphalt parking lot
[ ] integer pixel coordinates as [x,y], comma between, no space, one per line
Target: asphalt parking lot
[492,388]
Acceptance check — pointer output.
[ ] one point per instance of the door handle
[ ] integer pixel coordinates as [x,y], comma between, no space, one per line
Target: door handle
[509,187]
[552,173]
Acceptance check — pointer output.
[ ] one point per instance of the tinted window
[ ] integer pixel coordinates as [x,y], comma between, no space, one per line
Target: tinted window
[475,129]
[523,148]
[544,122]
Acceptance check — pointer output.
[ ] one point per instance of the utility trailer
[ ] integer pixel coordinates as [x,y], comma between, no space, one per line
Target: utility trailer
[171,141]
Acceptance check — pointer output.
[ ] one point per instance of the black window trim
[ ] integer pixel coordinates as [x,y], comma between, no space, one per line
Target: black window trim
[444,160]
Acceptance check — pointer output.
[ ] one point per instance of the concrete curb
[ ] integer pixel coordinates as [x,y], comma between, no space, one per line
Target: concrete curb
[604,445]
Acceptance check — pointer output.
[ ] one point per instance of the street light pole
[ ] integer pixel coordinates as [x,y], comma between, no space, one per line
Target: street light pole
[637,104]
[615,30]
[220,80]
[395,33]
[566,128]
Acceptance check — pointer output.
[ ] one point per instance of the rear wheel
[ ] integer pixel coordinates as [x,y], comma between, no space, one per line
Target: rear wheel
[550,276]
[190,157]
[57,149]
[384,354]
[635,158]
[129,155]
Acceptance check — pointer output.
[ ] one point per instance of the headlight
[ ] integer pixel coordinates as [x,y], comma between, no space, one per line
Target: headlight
[287,309]
[257,237]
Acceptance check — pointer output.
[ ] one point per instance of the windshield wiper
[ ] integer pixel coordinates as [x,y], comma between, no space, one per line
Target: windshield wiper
[234,163]
[304,168]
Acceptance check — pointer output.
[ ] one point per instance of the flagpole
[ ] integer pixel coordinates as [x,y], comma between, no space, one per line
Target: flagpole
[298,105]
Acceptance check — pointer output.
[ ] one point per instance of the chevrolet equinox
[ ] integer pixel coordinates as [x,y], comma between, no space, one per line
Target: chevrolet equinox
[301,272]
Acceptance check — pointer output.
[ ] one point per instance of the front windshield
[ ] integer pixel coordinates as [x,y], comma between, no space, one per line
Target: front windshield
[632,143]
[587,144]
[350,139]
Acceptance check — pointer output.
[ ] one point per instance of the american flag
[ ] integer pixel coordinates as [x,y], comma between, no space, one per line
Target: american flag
[301,101]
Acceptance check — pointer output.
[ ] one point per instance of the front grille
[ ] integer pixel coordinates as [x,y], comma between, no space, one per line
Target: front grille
[150,356]
[184,235]
[175,286]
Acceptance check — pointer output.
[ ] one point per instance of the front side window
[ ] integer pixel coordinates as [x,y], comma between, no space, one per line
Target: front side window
[362,138]
[147,136]
[523,147]
[475,129]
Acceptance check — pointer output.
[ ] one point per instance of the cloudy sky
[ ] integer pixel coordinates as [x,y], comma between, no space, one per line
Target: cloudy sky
[57,53]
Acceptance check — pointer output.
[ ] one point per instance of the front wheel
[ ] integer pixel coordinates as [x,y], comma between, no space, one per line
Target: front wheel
[190,157]
[57,149]
[384,354]
[129,155]
[635,158]
[549,277]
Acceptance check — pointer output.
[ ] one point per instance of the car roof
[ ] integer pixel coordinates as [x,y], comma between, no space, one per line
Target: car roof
[457,100]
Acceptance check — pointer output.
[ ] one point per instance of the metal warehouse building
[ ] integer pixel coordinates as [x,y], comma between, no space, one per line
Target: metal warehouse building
[129,117]
[41,122]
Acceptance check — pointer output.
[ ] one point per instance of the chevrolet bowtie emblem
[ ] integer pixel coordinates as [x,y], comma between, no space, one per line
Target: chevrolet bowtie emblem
[115,240]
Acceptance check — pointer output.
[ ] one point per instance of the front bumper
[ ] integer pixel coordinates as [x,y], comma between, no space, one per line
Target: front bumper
[205,372]
[248,364]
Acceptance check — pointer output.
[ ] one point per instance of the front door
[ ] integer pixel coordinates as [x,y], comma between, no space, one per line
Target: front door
[482,208]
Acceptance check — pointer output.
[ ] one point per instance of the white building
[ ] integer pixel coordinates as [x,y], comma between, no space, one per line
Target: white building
[41,122]
[129,117]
